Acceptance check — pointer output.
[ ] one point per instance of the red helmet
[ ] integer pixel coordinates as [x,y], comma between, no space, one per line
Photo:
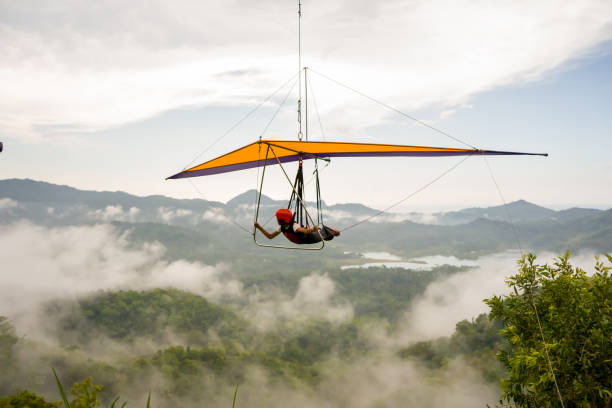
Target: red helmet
[285,215]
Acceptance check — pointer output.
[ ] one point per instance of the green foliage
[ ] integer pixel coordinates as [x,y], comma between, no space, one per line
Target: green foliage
[85,394]
[26,399]
[61,389]
[8,339]
[479,334]
[235,395]
[575,312]
[125,315]
[311,345]
[476,341]
[183,367]
[209,346]
[385,292]
[298,352]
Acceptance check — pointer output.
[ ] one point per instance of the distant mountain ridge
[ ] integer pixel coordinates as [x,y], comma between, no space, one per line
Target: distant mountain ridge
[27,190]
[250,198]
[517,211]
[43,193]
[195,227]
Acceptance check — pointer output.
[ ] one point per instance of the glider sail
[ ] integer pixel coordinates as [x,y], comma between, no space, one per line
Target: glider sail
[269,152]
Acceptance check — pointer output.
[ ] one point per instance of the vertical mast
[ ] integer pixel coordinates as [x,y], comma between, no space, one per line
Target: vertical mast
[306,99]
[300,68]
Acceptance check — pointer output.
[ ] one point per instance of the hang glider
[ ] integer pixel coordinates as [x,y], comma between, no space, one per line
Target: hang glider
[270,152]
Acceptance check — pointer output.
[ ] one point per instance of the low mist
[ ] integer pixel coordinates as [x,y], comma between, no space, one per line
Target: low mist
[42,264]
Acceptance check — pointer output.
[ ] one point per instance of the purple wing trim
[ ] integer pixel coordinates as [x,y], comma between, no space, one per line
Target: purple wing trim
[306,156]
[234,167]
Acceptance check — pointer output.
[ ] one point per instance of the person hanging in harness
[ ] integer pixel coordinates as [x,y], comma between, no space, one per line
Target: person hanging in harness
[297,233]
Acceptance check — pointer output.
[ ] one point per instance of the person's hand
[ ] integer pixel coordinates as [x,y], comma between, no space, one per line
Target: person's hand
[256,224]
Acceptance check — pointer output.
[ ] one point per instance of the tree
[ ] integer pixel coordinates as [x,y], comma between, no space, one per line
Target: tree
[85,393]
[8,339]
[26,399]
[574,311]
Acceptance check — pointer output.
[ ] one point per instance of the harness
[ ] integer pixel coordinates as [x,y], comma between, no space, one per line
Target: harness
[296,204]
[294,236]
[296,201]
[298,237]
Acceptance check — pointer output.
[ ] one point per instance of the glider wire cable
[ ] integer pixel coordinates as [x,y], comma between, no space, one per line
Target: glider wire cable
[314,102]
[242,120]
[280,106]
[278,109]
[231,220]
[233,127]
[420,122]
[510,221]
[453,167]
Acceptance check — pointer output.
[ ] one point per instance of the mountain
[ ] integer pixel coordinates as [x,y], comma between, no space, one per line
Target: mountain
[250,198]
[517,211]
[199,229]
[354,209]
[51,204]
[575,213]
[27,190]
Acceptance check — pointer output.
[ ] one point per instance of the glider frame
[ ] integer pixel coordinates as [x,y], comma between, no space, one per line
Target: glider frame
[318,248]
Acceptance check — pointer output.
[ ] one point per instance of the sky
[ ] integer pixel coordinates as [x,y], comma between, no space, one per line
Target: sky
[112,95]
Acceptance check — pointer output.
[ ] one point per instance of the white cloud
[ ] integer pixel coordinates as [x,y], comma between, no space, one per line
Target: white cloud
[313,298]
[447,113]
[76,66]
[39,264]
[334,215]
[194,277]
[113,213]
[420,218]
[170,214]
[387,382]
[7,204]
[216,215]
[460,296]
[133,212]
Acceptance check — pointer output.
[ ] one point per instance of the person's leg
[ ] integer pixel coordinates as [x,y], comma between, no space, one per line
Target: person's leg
[312,238]
[328,233]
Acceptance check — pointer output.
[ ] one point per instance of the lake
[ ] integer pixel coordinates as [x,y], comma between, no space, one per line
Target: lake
[426,263]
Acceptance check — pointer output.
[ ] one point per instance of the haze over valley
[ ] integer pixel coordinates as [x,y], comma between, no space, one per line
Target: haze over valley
[173,297]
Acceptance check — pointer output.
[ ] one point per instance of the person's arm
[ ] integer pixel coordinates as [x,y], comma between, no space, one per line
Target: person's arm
[307,230]
[266,233]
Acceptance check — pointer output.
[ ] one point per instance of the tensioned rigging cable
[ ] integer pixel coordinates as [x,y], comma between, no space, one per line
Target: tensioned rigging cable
[232,221]
[257,192]
[314,101]
[410,195]
[308,83]
[501,196]
[393,109]
[263,132]
[235,125]
[240,121]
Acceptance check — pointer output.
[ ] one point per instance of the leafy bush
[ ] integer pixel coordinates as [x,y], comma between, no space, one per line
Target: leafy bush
[575,314]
